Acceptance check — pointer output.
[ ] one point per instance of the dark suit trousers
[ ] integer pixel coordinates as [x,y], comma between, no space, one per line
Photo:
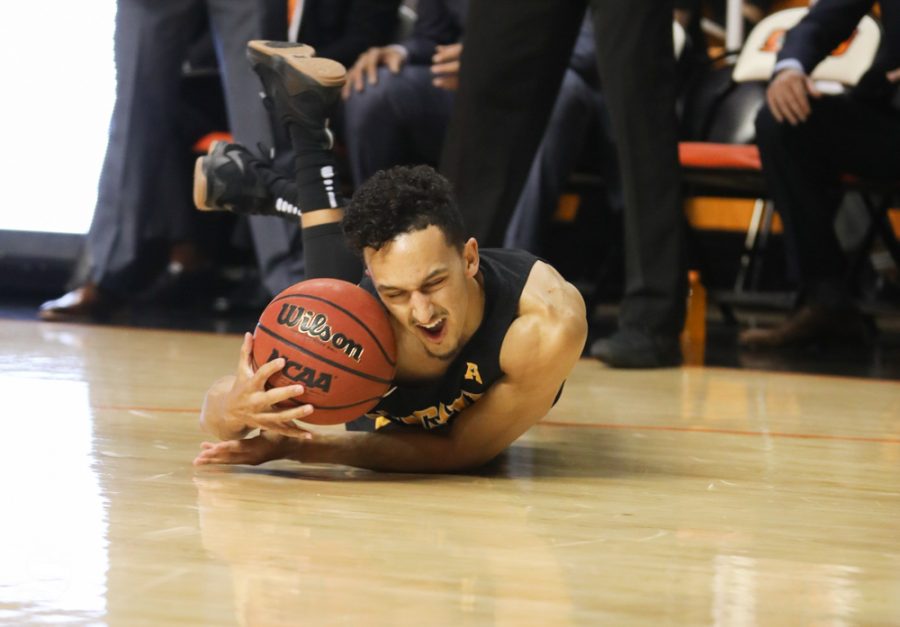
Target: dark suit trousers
[802,165]
[401,120]
[579,116]
[136,197]
[514,58]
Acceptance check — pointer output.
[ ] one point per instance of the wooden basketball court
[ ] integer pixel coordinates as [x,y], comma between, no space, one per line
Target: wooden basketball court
[686,496]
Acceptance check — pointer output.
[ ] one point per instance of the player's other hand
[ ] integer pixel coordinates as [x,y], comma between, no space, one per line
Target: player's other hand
[788,96]
[365,70]
[249,405]
[252,451]
[445,66]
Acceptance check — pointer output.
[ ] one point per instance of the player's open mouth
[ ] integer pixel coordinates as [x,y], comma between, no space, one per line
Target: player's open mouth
[435,330]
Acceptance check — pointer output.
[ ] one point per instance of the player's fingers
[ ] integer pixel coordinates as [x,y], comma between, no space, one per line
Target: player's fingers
[279,394]
[894,75]
[267,370]
[245,367]
[276,423]
[214,453]
[300,412]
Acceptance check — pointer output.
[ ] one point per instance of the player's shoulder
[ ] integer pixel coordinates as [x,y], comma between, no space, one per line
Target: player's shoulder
[551,321]
[548,297]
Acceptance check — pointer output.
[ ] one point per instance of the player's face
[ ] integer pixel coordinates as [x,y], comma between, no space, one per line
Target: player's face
[428,286]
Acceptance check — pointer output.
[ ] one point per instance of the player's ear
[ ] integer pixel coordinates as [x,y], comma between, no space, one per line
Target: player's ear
[470,255]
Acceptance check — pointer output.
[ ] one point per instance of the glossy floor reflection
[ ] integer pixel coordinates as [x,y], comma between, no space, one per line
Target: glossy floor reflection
[685,496]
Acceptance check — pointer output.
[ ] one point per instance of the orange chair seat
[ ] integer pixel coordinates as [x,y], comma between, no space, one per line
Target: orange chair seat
[719,156]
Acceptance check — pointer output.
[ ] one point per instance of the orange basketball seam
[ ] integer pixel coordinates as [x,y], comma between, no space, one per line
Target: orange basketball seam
[350,314]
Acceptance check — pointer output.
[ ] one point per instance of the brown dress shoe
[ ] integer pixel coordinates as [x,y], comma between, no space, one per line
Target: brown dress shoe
[811,323]
[83,303]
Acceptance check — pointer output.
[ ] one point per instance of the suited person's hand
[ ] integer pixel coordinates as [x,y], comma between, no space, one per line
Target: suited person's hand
[788,96]
[445,66]
[894,75]
[365,70]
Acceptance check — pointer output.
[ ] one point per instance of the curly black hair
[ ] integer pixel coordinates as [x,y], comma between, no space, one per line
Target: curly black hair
[400,200]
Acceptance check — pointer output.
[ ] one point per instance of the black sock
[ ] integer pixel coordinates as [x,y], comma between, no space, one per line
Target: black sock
[327,255]
[314,172]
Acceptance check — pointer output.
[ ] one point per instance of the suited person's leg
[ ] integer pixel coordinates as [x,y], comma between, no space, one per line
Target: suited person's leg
[802,164]
[150,44]
[574,114]
[514,57]
[637,73]
[399,120]
[277,243]
[802,181]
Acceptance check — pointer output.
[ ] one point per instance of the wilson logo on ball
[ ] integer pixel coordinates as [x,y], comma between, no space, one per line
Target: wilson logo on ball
[316,326]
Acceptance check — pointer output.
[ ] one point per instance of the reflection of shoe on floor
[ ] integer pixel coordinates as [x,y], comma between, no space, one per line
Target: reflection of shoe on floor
[811,323]
[231,178]
[632,349]
[84,303]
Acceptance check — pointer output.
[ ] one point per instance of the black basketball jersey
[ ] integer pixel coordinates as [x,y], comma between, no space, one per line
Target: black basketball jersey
[434,404]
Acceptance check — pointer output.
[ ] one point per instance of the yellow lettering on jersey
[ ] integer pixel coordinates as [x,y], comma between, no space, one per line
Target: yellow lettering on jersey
[472,373]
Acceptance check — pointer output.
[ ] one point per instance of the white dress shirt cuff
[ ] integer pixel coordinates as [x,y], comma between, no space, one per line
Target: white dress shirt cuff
[788,64]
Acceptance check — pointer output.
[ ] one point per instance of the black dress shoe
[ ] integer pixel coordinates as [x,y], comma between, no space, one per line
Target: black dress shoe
[84,303]
[632,349]
[812,323]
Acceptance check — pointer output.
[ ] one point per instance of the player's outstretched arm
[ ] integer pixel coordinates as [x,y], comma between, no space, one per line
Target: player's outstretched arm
[539,351]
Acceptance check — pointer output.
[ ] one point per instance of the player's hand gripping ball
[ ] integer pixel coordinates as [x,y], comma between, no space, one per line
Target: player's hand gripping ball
[337,342]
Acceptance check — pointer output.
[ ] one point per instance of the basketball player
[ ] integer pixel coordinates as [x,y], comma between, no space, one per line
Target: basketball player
[485,338]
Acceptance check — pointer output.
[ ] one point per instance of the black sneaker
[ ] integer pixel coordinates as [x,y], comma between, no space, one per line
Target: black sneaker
[231,178]
[302,90]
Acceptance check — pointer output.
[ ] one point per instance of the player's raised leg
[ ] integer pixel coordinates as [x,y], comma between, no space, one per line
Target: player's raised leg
[302,91]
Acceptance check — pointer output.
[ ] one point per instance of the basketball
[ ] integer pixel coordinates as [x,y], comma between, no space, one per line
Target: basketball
[338,343]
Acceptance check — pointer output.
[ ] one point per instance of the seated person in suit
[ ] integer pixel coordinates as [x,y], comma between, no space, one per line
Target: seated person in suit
[397,99]
[806,141]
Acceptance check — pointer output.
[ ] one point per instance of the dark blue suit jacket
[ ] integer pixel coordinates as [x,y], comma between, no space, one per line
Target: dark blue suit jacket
[344,29]
[830,22]
[438,22]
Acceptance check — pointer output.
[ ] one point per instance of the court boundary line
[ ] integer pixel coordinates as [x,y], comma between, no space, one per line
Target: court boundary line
[674,429]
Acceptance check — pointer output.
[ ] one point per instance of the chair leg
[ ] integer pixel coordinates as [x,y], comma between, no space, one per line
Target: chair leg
[878,213]
[748,258]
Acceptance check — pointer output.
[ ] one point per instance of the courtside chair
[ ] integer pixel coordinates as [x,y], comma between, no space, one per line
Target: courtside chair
[722,160]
